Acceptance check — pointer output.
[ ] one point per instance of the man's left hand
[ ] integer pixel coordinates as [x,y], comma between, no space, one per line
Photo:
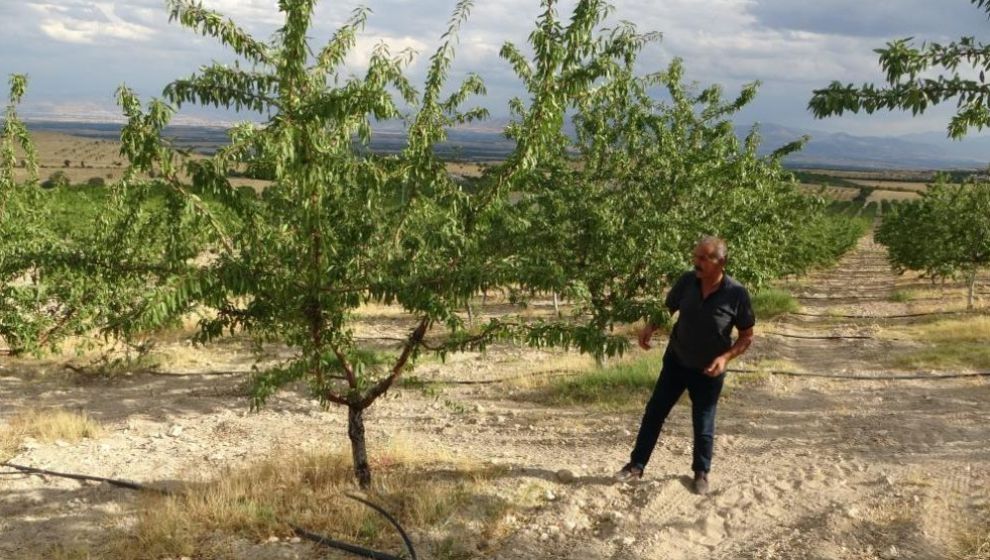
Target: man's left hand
[717,367]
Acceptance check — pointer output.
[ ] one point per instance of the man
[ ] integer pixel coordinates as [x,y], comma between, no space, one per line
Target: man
[710,303]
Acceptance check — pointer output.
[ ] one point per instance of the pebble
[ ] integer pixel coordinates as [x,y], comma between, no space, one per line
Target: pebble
[565,476]
[175,431]
[891,553]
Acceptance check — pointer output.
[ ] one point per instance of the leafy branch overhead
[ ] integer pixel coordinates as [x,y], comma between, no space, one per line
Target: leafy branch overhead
[961,68]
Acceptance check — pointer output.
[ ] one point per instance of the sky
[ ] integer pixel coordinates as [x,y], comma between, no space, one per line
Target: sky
[77,52]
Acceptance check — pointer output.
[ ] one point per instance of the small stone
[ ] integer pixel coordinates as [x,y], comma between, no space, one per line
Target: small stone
[295,540]
[628,541]
[273,539]
[550,496]
[890,554]
[565,476]
[500,419]
[175,431]
[627,433]
[852,512]
[61,443]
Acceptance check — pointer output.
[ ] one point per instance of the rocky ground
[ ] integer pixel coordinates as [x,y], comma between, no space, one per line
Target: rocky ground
[805,467]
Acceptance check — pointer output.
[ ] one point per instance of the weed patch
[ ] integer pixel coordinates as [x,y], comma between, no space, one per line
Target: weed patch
[772,302]
[448,508]
[625,384]
[46,426]
[948,344]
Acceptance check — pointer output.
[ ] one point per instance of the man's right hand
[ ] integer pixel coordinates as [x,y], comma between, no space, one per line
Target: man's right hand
[645,335]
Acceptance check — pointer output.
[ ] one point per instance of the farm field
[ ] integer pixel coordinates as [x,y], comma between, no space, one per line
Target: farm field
[321,337]
[805,467]
[82,159]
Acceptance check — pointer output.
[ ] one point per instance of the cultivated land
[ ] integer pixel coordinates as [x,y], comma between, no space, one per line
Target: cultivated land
[805,467]
[82,159]
[508,454]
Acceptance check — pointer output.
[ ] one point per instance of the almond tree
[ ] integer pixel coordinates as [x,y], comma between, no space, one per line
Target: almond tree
[944,234]
[612,214]
[337,227]
[43,297]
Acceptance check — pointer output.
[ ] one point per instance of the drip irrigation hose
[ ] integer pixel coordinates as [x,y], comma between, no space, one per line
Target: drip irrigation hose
[82,477]
[829,337]
[567,373]
[825,316]
[303,533]
[861,377]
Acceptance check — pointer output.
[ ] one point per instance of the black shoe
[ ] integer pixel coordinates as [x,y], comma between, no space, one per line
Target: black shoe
[700,483]
[631,471]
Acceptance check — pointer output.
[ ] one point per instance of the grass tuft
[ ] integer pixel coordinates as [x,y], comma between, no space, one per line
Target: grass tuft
[901,296]
[972,540]
[955,343]
[772,302]
[447,508]
[624,384]
[48,426]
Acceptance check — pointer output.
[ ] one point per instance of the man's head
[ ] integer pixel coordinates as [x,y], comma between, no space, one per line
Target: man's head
[709,257]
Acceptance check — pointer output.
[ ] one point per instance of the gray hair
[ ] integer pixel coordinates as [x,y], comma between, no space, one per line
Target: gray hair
[717,243]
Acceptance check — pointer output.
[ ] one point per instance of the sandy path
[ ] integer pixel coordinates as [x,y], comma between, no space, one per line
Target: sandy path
[804,468]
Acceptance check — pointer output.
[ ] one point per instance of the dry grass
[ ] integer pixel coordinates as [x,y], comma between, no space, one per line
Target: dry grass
[46,426]
[956,343]
[448,507]
[973,542]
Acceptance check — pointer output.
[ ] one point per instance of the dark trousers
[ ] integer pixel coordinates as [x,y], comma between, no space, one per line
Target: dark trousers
[703,390]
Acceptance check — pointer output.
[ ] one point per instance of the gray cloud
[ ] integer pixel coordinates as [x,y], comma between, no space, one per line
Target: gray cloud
[81,50]
[936,20]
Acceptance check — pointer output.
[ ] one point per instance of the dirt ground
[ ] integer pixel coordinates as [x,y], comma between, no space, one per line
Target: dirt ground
[804,467]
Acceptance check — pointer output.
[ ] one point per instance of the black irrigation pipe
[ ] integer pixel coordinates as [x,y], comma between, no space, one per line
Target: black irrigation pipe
[864,377]
[565,373]
[339,545]
[832,337]
[800,314]
[111,481]
[85,371]
[546,373]
[318,539]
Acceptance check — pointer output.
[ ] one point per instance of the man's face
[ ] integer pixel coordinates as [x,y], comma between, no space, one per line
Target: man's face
[706,261]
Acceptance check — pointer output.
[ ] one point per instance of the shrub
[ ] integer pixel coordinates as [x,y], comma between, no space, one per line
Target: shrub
[56,180]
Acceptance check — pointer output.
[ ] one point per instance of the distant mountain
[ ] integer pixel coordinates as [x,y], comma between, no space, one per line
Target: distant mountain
[841,150]
[484,141]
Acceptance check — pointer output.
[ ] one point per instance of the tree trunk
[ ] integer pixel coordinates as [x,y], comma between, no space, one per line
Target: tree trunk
[556,304]
[359,450]
[972,290]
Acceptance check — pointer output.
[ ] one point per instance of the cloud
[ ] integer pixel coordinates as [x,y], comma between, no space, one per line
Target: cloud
[88,23]
[875,18]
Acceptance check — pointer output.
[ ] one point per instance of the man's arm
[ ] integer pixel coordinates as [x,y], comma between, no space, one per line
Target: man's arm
[718,365]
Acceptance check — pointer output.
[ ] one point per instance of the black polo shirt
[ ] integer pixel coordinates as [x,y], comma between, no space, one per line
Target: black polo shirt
[704,327]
